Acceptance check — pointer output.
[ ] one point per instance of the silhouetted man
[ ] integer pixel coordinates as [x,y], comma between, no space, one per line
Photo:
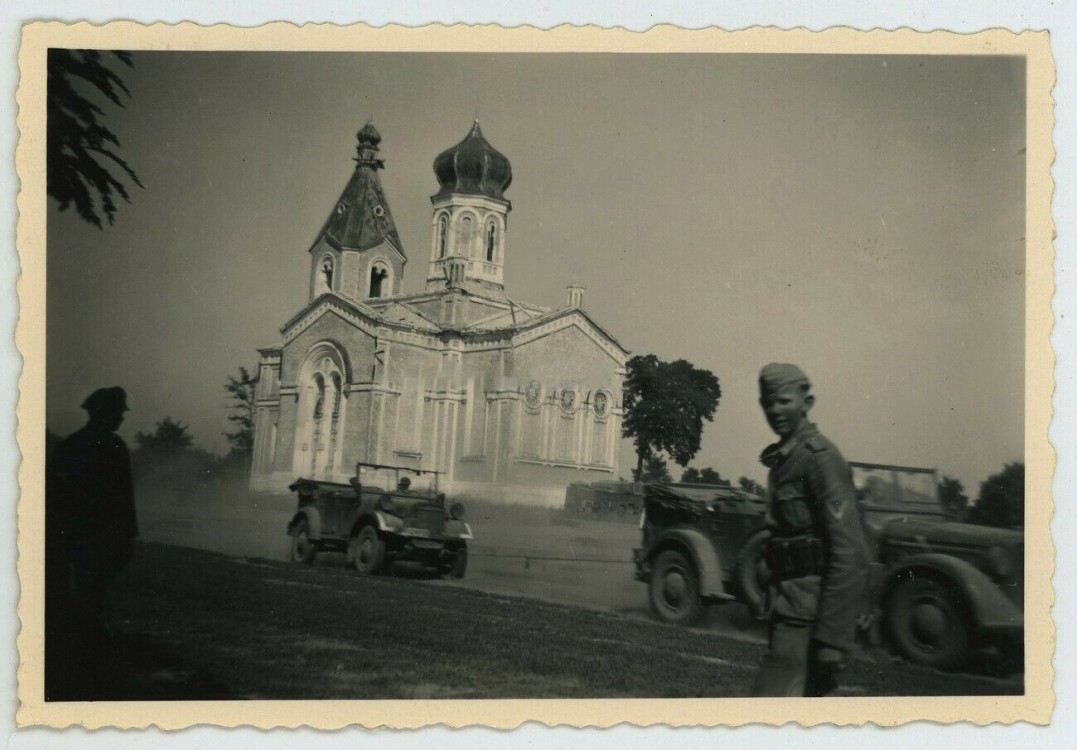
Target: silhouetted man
[90,519]
[816,552]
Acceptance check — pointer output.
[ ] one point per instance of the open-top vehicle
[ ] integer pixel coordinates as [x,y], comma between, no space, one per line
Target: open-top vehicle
[378,527]
[937,588]
[700,546]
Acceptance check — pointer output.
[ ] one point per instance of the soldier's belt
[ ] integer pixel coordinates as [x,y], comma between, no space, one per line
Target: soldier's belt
[794,557]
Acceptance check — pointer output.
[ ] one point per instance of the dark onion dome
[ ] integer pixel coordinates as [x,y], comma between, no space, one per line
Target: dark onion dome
[368,135]
[473,167]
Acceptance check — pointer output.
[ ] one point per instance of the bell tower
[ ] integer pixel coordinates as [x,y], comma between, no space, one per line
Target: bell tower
[358,252]
[470,217]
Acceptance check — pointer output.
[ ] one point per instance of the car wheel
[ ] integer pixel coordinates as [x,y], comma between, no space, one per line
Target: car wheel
[304,550]
[675,589]
[459,567]
[753,575]
[366,551]
[928,623]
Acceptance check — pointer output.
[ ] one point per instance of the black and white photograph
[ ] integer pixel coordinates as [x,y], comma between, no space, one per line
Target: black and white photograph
[473,373]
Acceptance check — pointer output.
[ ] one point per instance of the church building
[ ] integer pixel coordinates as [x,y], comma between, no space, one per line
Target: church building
[511,401]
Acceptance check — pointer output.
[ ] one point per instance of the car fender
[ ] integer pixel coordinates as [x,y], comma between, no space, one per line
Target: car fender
[703,554]
[991,610]
[381,521]
[314,522]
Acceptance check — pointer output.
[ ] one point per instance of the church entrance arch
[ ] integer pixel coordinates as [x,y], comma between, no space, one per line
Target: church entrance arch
[321,412]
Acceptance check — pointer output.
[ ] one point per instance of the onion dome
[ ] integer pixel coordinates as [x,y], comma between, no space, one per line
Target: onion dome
[473,167]
[368,136]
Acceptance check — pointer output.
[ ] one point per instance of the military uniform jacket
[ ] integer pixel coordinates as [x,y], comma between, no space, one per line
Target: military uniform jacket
[811,492]
[90,497]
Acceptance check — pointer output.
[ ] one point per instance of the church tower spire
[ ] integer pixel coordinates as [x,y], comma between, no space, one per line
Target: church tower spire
[358,252]
[470,217]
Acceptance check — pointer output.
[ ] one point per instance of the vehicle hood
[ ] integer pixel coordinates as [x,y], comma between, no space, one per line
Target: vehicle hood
[698,498]
[951,532]
[401,505]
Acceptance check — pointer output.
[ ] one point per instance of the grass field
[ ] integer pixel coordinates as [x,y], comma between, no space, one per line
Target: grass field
[201,625]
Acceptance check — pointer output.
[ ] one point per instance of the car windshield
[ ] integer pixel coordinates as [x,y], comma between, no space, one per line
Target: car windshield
[879,485]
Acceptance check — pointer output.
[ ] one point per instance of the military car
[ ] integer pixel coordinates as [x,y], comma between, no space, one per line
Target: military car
[701,545]
[380,527]
[937,588]
[604,498]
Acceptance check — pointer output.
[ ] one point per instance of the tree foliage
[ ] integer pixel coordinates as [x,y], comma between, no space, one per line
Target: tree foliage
[654,470]
[692,475]
[241,403]
[167,461]
[1002,498]
[752,486]
[665,406]
[955,502]
[78,146]
[168,438]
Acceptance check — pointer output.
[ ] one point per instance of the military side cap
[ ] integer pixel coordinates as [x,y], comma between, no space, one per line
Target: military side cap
[106,400]
[778,376]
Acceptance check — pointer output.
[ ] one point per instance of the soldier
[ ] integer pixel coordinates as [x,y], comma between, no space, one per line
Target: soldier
[816,553]
[90,515]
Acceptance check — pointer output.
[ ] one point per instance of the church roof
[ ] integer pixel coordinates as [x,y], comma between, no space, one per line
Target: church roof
[514,317]
[473,167]
[402,313]
[361,218]
[399,312]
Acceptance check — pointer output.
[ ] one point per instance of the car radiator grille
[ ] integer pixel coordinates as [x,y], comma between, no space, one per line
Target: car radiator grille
[432,519]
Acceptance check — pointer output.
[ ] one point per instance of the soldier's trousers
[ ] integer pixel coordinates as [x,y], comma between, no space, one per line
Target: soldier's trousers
[789,670]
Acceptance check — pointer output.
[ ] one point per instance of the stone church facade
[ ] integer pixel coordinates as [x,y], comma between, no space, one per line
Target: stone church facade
[510,401]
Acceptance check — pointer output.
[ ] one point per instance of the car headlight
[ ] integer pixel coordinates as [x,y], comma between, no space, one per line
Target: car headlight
[998,562]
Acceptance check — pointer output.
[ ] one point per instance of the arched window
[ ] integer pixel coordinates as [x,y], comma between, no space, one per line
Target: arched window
[378,275]
[443,234]
[467,233]
[491,240]
[327,273]
[321,413]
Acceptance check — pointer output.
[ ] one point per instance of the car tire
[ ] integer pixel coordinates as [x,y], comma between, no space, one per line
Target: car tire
[928,623]
[752,573]
[459,566]
[674,589]
[304,549]
[366,551]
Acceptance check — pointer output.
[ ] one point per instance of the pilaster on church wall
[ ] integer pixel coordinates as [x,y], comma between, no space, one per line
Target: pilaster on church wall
[350,285]
[283,454]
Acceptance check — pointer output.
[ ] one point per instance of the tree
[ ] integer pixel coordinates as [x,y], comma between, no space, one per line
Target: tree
[952,496]
[752,486]
[665,405]
[166,461]
[1002,498]
[690,475]
[241,394]
[654,470]
[168,439]
[710,476]
[76,142]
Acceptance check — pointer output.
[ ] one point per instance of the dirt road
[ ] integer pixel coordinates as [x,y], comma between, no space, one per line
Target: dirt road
[522,551]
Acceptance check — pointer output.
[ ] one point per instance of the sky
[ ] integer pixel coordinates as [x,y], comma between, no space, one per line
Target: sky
[861,216]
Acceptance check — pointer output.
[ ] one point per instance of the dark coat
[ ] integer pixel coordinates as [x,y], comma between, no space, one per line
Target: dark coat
[811,492]
[89,492]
